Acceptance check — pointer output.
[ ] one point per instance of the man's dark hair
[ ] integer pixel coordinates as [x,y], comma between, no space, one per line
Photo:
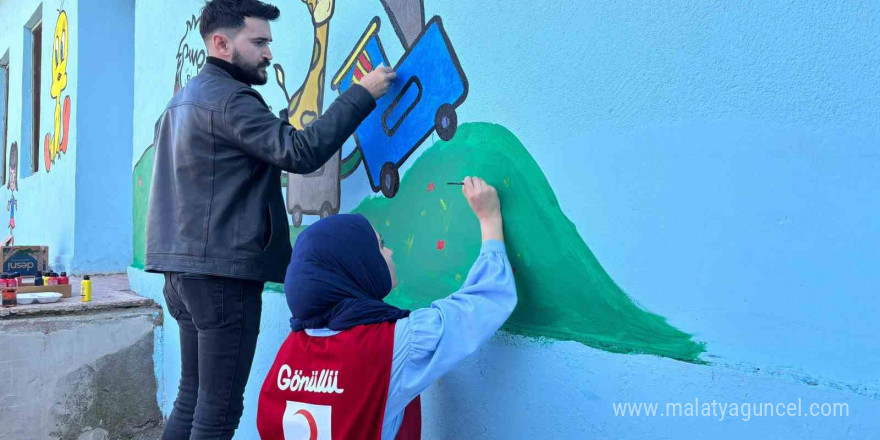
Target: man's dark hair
[230,14]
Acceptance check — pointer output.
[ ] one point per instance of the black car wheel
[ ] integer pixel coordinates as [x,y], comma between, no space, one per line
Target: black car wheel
[446,122]
[389,180]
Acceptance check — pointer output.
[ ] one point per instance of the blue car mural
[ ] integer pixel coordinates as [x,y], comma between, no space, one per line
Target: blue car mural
[430,85]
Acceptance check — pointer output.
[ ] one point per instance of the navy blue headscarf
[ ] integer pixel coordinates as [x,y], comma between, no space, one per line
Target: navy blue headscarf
[337,276]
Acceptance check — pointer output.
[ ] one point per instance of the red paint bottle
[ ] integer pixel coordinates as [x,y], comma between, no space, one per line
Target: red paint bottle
[53,279]
[64,279]
[10,298]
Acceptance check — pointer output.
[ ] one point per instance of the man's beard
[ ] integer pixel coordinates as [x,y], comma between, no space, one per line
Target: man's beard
[251,72]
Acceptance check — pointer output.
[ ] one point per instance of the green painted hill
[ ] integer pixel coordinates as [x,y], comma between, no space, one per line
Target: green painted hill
[142,177]
[564,293]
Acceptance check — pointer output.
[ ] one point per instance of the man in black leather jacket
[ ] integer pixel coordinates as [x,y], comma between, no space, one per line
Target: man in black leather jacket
[216,226]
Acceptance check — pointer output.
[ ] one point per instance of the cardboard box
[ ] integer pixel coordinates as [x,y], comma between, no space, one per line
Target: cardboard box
[63,289]
[26,260]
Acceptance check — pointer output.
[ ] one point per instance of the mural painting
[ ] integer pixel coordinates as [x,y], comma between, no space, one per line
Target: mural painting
[564,291]
[191,54]
[12,186]
[316,193]
[142,176]
[430,85]
[191,57]
[56,142]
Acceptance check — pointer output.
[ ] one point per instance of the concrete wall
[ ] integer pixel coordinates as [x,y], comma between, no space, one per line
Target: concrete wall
[718,162]
[63,375]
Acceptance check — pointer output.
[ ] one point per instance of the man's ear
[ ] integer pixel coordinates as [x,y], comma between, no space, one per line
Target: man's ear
[221,44]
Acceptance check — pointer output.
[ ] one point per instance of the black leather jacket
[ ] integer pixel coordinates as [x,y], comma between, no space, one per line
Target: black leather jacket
[216,205]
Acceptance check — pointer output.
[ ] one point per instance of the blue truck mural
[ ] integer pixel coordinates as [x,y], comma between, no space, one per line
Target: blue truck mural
[430,85]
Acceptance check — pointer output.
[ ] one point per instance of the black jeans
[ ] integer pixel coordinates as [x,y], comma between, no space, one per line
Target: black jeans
[219,321]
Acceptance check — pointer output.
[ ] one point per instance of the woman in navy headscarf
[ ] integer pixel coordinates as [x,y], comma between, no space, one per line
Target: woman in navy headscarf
[353,366]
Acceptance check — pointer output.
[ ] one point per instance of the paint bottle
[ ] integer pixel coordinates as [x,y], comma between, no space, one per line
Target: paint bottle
[10,299]
[38,280]
[18,278]
[53,279]
[64,279]
[4,280]
[85,292]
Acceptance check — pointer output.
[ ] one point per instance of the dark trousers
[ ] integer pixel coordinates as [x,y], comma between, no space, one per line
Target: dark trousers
[219,320]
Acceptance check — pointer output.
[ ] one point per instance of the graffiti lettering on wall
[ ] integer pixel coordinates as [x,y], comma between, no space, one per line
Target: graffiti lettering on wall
[191,54]
[55,143]
[12,186]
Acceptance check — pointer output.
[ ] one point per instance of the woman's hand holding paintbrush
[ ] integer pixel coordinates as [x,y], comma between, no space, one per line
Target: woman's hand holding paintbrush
[483,200]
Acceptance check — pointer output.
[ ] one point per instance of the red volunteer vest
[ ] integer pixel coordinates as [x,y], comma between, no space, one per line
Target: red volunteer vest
[332,388]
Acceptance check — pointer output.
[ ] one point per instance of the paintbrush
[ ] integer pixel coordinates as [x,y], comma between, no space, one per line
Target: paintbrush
[456,183]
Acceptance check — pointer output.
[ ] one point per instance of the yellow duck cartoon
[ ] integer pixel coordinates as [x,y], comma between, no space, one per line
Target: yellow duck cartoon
[56,142]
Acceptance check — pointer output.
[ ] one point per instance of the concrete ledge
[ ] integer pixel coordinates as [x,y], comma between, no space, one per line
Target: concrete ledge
[70,368]
[108,292]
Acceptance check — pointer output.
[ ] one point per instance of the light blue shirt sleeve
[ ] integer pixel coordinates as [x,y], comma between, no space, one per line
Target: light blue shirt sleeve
[434,340]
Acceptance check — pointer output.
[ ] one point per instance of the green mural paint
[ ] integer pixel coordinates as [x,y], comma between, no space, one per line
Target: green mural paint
[142,178]
[564,293]
[350,164]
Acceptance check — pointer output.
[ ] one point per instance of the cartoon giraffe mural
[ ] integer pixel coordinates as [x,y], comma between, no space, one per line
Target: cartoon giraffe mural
[56,142]
[307,102]
[318,192]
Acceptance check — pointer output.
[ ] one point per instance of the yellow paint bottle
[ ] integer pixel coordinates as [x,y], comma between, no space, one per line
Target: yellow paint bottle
[85,292]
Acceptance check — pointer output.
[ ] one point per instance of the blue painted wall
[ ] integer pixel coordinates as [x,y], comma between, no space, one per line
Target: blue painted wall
[45,200]
[721,161]
[78,206]
[106,68]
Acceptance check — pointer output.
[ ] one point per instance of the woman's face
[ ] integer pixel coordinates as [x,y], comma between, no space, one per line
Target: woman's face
[387,253]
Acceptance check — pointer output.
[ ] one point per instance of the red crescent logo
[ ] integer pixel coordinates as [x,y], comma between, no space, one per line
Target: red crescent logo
[313,425]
